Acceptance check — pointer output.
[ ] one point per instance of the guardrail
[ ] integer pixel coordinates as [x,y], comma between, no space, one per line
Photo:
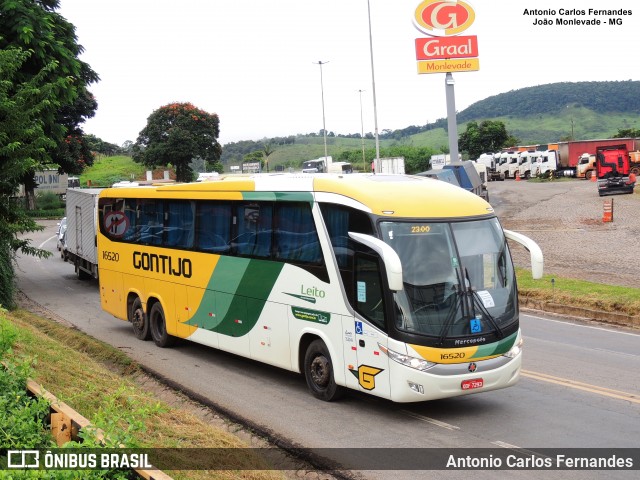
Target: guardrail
[66,424]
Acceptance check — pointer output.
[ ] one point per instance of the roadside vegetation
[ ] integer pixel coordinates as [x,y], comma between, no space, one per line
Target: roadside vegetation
[106,171]
[579,293]
[101,384]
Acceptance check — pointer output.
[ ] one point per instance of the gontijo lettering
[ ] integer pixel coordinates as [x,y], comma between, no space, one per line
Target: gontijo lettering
[165,264]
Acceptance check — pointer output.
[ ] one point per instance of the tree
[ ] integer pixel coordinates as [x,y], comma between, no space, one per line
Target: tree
[267,149]
[627,133]
[34,26]
[23,145]
[489,136]
[177,133]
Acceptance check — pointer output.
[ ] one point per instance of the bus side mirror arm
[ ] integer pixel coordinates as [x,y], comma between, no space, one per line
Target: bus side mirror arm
[537,259]
[390,258]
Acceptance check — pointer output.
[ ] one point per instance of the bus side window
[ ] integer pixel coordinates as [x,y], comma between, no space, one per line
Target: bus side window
[179,224]
[214,227]
[339,222]
[296,238]
[253,230]
[368,289]
[150,221]
[129,209]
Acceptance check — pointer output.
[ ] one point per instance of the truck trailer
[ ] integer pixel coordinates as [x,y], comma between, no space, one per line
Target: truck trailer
[389,165]
[81,241]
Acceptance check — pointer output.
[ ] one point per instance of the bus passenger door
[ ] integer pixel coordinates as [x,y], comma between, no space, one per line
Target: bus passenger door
[373,365]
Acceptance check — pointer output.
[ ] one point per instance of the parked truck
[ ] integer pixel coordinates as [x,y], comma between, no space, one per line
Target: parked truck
[319,165]
[528,166]
[570,153]
[549,163]
[507,159]
[586,167]
[80,237]
[613,170]
[389,165]
[491,160]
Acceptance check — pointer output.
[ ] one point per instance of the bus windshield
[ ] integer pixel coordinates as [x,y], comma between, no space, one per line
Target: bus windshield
[458,278]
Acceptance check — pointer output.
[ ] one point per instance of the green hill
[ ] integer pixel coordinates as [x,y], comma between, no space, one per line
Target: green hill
[541,114]
[601,97]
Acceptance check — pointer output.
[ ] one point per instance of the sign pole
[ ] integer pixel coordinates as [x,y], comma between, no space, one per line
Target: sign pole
[451,117]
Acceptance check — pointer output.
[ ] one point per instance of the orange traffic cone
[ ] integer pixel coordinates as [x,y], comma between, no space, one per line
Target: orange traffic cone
[517,176]
[607,213]
[593,176]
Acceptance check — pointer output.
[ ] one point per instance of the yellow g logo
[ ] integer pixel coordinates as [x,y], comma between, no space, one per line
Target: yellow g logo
[366,376]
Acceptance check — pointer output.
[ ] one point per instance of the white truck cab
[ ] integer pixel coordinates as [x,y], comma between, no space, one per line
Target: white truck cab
[503,166]
[548,161]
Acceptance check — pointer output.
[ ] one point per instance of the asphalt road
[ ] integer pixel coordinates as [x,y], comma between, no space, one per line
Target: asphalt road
[579,387]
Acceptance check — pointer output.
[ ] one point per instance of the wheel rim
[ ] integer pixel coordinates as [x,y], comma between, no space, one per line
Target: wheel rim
[138,319]
[320,371]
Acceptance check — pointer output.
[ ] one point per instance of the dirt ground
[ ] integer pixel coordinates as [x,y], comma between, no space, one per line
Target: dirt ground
[565,218]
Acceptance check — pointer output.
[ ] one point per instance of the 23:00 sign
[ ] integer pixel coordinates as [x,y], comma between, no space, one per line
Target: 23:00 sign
[420,228]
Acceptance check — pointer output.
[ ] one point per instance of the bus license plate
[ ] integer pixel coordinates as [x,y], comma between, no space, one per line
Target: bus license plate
[471,384]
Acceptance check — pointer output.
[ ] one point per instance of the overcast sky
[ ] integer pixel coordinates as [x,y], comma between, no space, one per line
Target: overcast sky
[254,62]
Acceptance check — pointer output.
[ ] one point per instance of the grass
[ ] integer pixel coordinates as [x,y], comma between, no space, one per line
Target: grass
[93,377]
[579,293]
[106,171]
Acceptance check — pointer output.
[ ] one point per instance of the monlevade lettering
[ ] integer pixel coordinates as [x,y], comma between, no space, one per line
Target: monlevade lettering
[449,65]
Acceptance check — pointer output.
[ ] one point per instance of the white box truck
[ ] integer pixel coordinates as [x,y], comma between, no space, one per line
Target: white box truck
[80,238]
[389,165]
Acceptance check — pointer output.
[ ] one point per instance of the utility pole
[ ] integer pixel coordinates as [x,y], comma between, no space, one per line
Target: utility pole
[451,117]
[364,161]
[324,128]
[373,84]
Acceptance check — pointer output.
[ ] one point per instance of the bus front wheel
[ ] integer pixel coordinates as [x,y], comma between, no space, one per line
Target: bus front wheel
[158,327]
[139,321]
[318,371]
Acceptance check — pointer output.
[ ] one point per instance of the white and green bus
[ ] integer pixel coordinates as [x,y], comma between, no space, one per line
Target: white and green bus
[402,287]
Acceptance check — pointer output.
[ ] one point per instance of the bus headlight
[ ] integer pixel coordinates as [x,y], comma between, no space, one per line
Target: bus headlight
[515,350]
[412,362]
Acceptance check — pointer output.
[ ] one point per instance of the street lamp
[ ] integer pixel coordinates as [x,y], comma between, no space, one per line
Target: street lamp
[324,128]
[364,162]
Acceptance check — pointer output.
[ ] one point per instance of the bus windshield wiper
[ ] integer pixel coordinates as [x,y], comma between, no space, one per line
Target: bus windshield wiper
[450,316]
[475,299]
[459,303]
[478,301]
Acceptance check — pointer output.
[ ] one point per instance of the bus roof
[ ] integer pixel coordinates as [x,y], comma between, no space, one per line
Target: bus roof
[387,195]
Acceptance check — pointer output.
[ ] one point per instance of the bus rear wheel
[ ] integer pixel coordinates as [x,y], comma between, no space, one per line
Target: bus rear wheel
[158,327]
[318,371]
[138,319]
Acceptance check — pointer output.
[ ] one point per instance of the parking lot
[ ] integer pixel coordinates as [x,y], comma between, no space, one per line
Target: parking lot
[565,218]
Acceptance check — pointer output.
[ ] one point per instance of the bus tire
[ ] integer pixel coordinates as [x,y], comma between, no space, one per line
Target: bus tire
[318,372]
[158,327]
[139,321]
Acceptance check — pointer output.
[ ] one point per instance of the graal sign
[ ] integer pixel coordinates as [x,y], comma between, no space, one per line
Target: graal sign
[442,21]
[442,18]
